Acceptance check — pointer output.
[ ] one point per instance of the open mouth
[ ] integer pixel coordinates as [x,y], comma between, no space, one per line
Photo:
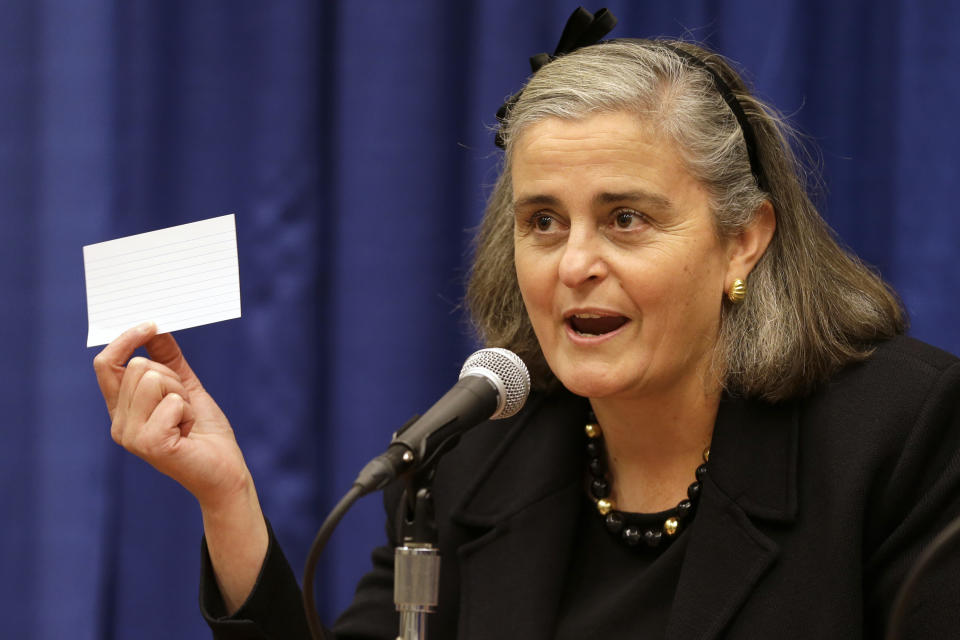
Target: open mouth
[590,324]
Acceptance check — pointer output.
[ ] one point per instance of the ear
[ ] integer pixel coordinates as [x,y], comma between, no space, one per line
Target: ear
[747,247]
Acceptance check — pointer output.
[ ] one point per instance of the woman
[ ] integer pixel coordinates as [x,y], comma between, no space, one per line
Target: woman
[729,439]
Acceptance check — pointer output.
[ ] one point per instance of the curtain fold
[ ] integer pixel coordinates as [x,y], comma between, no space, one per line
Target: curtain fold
[353,141]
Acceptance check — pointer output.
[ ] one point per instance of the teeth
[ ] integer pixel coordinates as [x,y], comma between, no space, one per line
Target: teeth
[595,324]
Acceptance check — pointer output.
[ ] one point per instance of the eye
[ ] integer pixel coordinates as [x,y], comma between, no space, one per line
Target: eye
[542,222]
[628,219]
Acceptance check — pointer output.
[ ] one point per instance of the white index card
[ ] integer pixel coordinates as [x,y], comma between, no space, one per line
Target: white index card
[179,277]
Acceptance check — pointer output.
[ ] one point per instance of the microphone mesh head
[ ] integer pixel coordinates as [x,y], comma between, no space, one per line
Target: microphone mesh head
[507,372]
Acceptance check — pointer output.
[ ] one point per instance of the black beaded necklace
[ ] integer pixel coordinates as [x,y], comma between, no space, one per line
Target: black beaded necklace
[626,526]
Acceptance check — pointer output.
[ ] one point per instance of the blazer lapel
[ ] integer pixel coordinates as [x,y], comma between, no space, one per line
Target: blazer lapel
[516,521]
[751,478]
[519,513]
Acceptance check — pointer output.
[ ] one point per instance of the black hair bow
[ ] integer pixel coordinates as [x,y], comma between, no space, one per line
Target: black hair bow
[582,30]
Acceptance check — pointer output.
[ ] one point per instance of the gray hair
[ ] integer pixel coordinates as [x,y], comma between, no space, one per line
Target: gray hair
[811,307]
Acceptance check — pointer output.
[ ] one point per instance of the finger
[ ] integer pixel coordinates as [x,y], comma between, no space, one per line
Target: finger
[109,363]
[133,372]
[153,383]
[164,349]
[136,369]
[161,433]
[138,366]
[187,418]
[150,391]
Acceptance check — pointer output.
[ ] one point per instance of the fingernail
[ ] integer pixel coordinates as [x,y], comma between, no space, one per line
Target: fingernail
[145,327]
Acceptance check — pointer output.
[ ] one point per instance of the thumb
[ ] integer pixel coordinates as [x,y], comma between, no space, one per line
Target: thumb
[165,350]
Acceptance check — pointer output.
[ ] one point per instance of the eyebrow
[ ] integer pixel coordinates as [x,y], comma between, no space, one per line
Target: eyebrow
[646,197]
[654,199]
[536,200]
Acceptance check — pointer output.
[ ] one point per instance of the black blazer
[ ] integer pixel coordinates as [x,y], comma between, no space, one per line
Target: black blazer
[810,515]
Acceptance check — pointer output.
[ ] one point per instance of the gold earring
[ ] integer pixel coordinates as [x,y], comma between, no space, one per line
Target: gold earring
[738,291]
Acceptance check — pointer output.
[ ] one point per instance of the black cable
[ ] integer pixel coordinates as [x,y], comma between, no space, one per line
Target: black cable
[898,612]
[377,474]
[323,536]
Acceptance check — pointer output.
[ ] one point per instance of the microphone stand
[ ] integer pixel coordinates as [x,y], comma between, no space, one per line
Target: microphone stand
[416,559]
[416,581]
[493,384]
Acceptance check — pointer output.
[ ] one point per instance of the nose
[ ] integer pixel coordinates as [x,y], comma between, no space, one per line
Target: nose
[582,260]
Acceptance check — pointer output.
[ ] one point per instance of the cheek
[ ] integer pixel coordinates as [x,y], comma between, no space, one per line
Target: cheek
[534,282]
[705,265]
[702,287]
[686,294]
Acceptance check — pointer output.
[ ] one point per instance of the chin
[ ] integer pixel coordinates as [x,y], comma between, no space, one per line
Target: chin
[592,391]
[590,384]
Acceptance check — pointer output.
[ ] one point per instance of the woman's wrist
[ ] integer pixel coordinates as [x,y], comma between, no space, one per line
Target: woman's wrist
[237,540]
[229,499]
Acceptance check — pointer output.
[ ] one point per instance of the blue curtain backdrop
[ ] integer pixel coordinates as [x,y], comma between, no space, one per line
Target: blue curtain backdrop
[351,140]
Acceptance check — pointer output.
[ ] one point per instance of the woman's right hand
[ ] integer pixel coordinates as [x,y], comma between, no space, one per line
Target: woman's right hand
[160,412]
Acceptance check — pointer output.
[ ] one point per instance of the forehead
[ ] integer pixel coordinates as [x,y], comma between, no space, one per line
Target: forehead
[596,129]
[616,151]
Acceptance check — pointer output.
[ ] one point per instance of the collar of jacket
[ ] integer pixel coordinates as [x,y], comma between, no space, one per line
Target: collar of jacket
[523,501]
[753,460]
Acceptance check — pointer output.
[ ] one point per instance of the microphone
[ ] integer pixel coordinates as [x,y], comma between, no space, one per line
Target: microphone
[494,384]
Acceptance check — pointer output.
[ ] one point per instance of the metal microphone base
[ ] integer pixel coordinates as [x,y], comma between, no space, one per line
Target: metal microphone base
[416,587]
[413,626]
[416,567]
